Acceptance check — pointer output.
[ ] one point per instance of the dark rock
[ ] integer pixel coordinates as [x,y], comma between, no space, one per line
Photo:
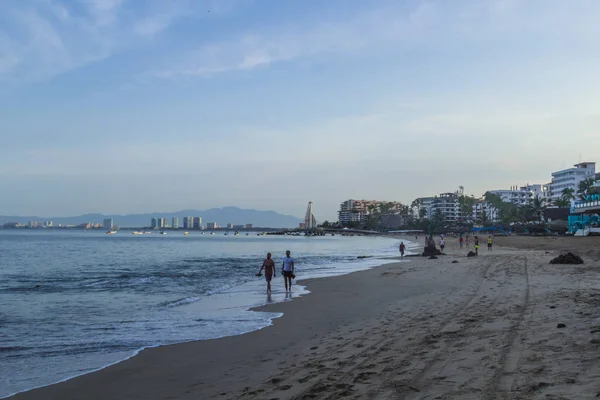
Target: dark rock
[552,306]
[568,258]
[561,326]
[432,257]
[471,254]
[454,262]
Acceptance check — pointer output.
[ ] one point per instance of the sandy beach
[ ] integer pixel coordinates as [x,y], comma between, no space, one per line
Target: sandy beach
[486,327]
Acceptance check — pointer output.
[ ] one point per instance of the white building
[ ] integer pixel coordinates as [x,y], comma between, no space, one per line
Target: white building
[357,210]
[446,203]
[570,178]
[484,211]
[108,224]
[175,223]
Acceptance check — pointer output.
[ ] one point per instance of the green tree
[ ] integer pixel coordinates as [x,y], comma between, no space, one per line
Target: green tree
[562,202]
[568,194]
[465,204]
[484,217]
[438,217]
[326,224]
[538,207]
[584,187]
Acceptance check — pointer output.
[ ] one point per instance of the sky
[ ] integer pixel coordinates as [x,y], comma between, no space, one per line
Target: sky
[133,106]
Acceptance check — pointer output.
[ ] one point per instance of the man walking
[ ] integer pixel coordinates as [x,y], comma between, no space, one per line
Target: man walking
[287,268]
[402,248]
[490,243]
[269,267]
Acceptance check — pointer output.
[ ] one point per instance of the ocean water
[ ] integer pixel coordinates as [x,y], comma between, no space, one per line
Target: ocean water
[75,301]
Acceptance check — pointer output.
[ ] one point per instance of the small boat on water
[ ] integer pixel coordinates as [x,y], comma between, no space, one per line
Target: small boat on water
[111,232]
[137,233]
[163,232]
[186,234]
[236,234]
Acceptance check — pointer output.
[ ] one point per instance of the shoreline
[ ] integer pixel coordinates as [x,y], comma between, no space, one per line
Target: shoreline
[300,291]
[486,326]
[64,386]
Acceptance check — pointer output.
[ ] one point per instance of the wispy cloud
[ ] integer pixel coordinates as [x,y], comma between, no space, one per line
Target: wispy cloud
[44,38]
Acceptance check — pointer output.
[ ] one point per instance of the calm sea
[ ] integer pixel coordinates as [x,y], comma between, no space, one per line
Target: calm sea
[75,301]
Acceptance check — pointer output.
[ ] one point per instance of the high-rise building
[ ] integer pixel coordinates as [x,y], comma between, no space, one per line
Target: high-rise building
[163,223]
[569,178]
[188,222]
[229,226]
[175,223]
[211,225]
[108,224]
[197,224]
[154,223]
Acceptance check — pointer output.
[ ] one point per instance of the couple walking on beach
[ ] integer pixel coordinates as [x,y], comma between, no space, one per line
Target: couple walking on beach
[287,269]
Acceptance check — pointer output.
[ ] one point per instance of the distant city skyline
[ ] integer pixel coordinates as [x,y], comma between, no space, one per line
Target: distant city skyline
[122,106]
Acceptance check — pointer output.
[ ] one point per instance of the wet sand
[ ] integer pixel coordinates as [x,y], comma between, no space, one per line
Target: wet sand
[483,328]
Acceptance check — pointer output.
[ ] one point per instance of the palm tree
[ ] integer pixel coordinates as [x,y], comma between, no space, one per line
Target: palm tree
[538,206]
[584,187]
[568,194]
[562,202]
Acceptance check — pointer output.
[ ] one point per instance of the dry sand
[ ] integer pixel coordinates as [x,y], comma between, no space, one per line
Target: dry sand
[482,328]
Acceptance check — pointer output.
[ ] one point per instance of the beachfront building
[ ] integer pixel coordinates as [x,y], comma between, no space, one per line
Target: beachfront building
[484,212]
[154,223]
[108,224]
[357,211]
[569,178]
[523,195]
[447,204]
[175,223]
[188,222]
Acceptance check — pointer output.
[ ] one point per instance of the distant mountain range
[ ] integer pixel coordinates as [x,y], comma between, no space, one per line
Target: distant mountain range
[222,216]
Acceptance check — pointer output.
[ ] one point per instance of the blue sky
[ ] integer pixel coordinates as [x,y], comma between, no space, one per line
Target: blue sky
[122,106]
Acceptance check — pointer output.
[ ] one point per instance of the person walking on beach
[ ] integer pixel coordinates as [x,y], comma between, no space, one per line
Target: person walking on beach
[442,243]
[460,241]
[476,241]
[287,268]
[490,243]
[402,248]
[269,267]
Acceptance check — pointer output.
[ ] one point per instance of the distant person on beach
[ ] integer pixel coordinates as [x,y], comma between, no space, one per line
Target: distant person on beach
[490,243]
[476,241]
[269,267]
[402,248]
[287,268]
[442,243]
[460,241]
